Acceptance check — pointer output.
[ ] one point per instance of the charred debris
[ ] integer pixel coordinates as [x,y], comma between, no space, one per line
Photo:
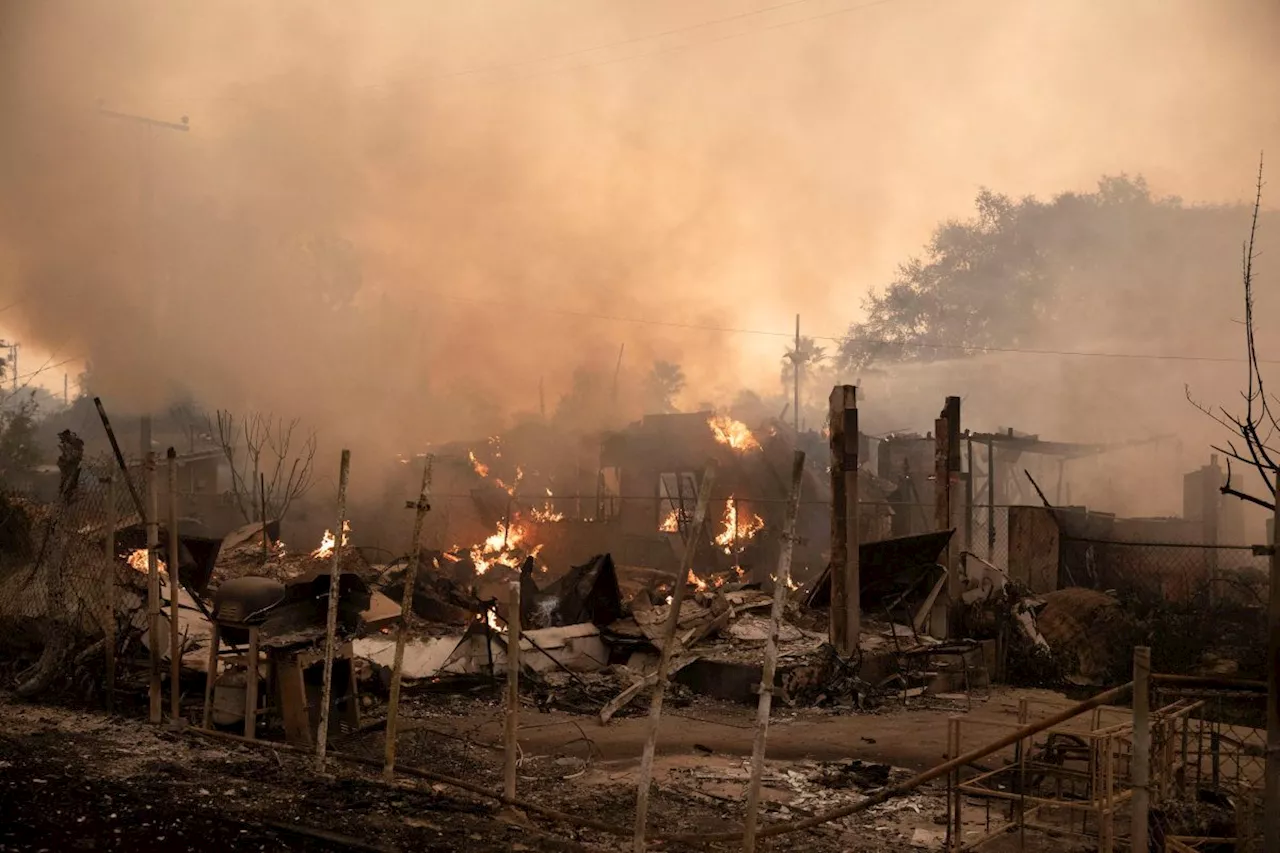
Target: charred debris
[1013,587]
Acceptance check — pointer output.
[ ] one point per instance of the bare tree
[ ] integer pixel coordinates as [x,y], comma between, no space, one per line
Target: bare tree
[261,449]
[1259,427]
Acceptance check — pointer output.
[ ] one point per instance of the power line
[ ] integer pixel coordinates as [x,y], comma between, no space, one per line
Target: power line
[840,339]
[507,66]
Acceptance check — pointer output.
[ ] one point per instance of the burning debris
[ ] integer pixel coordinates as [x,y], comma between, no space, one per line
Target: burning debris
[138,561]
[480,468]
[739,527]
[328,541]
[733,433]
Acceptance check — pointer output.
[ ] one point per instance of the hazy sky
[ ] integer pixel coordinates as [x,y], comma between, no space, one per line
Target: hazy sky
[509,175]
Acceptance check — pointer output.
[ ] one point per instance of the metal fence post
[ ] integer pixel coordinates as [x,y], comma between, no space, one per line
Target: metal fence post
[1141,771]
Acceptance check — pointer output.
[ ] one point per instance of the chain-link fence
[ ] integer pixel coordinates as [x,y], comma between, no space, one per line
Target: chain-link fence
[1201,608]
[1208,768]
[60,588]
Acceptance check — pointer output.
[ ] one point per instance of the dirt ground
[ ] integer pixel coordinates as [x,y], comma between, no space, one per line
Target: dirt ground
[82,781]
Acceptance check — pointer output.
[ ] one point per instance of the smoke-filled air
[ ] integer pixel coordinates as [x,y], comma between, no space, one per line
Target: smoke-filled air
[407,222]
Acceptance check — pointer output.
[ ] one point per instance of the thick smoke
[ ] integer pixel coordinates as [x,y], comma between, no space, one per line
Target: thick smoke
[355,233]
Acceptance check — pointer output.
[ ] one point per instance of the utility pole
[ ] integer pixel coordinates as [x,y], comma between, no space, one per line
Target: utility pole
[13,364]
[145,193]
[795,379]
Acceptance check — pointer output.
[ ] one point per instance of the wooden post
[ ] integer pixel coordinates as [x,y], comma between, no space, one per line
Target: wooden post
[780,584]
[331,624]
[846,610]
[665,652]
[510,739]
[406,607]
[251,685]
[1141,770]
[262,498]
[939,620]
[991,500]
[968,496]
[175,640]
[1271,795]
[211,675]
[951,414]
[109,595]
[153,589]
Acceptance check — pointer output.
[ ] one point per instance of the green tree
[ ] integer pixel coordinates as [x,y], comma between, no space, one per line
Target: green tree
[19,440]
[1117,264]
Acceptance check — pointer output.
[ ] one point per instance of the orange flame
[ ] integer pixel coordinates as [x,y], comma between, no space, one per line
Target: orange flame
[670,524]
[737,529]
[500,549]
[328,541]
[698,583]
[480,468]
[138,561]
[733,433]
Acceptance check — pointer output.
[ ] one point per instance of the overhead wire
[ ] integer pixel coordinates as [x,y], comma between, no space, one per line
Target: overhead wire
[841,339]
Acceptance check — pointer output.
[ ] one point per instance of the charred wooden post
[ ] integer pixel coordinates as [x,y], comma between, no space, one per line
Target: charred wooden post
[153,590]
[666,650]
[175,640]
[946,473]
[331,623]
[780,582]
[109,596]
[406,607]
[846,611]
[511,746]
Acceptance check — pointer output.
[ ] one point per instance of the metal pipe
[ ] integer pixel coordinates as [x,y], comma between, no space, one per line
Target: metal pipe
[1141,768]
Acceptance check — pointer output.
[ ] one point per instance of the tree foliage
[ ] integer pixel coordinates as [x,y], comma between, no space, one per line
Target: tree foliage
[663,384]
[1117,264]
[19,440]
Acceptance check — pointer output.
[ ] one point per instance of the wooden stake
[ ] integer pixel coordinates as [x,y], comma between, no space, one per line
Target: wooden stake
[153,589]
[109,595]
[780,584]
[175,641]
[846,610]
[668,646]
[511,743]
[262,500]
[1141,769]
[211,675]
[331,624]
[251,686]
[406,607]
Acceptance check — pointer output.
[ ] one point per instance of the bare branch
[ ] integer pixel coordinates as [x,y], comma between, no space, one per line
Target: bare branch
[258,449]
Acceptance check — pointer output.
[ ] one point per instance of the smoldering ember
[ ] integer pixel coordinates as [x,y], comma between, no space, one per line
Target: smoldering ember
[809,426]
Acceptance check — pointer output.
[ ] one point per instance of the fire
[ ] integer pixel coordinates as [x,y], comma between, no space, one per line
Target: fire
[328,541]
[137,561]
[480,468]
[737,529]
[491,619]
[670,524]
[500,548]
[547,513]
[791,585]
[698,583]
[733,433]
